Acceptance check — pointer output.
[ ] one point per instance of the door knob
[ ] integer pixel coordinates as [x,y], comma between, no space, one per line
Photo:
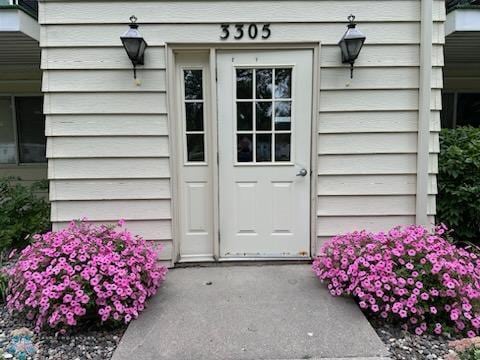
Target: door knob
[302,172]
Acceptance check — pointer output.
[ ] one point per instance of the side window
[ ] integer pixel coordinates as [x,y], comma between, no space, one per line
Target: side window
[460,109]
[7,132]
[31,129]
[447,115]
[468,109]
[22,130]
[194,115]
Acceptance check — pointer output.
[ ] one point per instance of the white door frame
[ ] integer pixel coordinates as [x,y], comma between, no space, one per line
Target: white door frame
[172,104]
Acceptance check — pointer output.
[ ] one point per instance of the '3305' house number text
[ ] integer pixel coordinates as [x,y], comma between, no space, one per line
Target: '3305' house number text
[240,30]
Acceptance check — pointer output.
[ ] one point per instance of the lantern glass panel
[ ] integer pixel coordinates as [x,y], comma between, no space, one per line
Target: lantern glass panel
[353,47]
[132,45]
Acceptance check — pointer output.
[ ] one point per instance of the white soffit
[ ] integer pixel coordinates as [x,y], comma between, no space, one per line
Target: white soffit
[15,20]
[462,20]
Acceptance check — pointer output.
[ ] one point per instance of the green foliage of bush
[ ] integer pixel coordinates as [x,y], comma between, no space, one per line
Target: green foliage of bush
[22,212]
[471,353]
[3,287]
[458,204]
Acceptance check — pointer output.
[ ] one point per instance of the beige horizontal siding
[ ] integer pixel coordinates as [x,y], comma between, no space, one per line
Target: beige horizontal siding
[103,125]
[367,122]
[121,168]
[435,121]
[366,185]
[159,230]
[370,78]
[433,163]
[101,147]
[334,225]
[93,58]
[103,81]
[379,100]
[157,34]
[370,205]
[372,185]
[111,210]
[381,56]
[376,78]
[367,164]
[365,205]
[111,189]
[105,103]
[372,164]
[364,100]
[376,143]
[84,58]
[53,12]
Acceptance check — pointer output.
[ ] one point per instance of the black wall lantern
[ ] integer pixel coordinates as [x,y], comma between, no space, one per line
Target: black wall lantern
[134,44]
[351,43]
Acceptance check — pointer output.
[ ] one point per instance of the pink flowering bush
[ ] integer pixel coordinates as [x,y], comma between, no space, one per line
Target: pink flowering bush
[408,275]
[83,273]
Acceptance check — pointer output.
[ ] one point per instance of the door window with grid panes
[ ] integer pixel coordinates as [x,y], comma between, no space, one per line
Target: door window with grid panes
[263,115]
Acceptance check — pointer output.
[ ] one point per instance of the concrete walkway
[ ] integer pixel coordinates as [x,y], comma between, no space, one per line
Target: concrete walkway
[248,312]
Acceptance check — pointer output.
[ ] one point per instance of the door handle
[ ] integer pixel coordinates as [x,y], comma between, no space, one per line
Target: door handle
[302,172]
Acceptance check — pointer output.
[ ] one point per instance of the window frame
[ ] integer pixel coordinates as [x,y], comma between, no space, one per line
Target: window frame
[455,94]
[292,130]
[14,119]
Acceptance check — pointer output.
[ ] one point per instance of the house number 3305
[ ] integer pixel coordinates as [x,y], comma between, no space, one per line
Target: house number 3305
[251,30]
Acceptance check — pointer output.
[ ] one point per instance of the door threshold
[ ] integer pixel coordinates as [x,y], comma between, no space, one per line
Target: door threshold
[226,262]
[264,258]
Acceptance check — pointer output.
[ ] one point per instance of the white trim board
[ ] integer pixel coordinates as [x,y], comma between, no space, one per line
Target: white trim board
[462,20]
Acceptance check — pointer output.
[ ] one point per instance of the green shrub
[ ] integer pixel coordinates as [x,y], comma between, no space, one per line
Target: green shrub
[3,286]
[22,212]
[458,204]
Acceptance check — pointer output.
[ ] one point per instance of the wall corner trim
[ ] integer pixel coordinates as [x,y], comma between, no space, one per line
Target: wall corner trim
[424,112]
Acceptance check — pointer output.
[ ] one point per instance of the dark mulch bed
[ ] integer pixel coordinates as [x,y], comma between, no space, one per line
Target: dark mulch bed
[96,344]
[91,343]
[404,345]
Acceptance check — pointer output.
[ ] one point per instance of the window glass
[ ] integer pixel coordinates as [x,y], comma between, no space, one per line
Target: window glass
[7,132]
[283,83]
[264,83]
[195,147]
[468,110]
[194,115]
[244,83]
[244,147]
[193,84]
[448,108]
[31,129]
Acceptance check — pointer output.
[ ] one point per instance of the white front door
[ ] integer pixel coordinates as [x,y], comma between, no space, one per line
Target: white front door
[264,127]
